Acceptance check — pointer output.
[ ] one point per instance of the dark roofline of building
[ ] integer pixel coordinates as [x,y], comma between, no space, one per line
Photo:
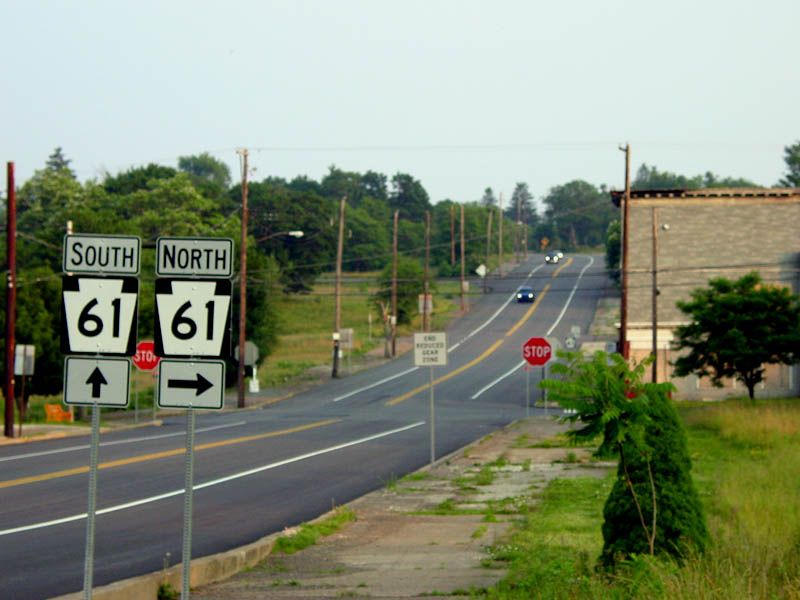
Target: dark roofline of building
[616,195]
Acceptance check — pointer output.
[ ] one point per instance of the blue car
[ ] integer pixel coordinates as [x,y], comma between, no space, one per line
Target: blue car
[525,294]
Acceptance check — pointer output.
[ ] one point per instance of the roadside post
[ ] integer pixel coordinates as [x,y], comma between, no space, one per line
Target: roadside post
[145,359]
[430,350]
[99,301]
[537,351]
[192,325]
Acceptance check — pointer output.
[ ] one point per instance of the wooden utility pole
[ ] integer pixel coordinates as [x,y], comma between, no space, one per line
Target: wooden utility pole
[427,301]
[242,282]
[518,231]
[623,329]
[488,248]
[500,234]
[337,318]
[394,284]
[463,280]
[11,297]
[452,235]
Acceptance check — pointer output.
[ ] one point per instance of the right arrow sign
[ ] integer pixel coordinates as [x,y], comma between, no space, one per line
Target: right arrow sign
[191,384]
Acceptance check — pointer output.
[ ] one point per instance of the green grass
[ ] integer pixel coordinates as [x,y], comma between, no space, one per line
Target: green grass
[746,465]
[309,533]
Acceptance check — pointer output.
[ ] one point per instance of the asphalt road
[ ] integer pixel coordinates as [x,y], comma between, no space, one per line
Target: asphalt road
[258,471]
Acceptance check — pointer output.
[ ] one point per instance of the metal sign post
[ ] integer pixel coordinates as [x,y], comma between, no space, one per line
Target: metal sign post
[88,562]
[527,391]
[188,500]
[430,350]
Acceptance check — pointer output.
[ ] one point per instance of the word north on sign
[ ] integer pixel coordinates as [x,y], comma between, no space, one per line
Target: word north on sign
[107,254]
[98,315]
[192,317]
[196,257]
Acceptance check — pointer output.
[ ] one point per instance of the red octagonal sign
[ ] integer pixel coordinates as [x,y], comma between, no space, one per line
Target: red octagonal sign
[537,351]
[145,358]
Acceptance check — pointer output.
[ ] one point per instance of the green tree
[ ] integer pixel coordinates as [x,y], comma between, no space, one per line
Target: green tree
[650,178]
[738,327]
[613,250]
[488,199]
[577,214]
[137,178]
[409,197]
[211,176]
[409,286]
[58,162]
[653,506]
[791,155]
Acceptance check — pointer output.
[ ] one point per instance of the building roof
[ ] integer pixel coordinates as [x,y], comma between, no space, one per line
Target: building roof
[616,195]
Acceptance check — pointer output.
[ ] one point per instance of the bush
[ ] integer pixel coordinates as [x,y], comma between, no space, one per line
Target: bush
[680,523]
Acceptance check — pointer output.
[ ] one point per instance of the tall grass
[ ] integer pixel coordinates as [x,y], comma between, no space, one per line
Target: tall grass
[746,464]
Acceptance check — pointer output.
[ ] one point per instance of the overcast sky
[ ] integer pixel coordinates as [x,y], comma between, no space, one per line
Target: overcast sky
[460,94]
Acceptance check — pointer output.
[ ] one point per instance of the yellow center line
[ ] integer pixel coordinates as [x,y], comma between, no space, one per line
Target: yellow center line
[165,454]
[562,267]
[451,374]
[528,314]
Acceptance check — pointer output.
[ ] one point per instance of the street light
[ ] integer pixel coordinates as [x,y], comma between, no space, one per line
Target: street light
[243,304]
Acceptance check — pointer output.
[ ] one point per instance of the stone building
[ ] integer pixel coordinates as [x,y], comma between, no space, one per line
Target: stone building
[700,235]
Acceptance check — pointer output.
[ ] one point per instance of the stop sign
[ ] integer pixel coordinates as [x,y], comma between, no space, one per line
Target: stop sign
[537,351]
[145,358]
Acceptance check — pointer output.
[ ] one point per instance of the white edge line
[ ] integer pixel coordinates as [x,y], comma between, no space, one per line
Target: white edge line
[376,384]
[496,381]
[117,442]
[574,289]
[558,320]
[213,482]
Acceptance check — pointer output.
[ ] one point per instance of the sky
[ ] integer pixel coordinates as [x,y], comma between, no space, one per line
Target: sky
[461,94]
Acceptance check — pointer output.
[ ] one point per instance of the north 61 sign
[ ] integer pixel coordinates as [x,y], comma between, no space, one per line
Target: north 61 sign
[192,317]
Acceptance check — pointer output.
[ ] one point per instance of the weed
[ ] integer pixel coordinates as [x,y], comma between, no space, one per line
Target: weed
[479,532]
[309,533]
[167,592]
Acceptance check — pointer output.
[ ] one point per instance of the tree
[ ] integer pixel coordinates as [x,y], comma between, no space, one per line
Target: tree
[409,286]
[613,250]
[791,155]
[650,178]
[137,178]
[409,197]
[58,162]
[210,175]
[578,214]
[737,327]
[653,506]
[488,199]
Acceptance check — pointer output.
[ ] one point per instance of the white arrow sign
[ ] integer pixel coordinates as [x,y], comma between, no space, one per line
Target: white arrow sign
[100,381]
[192,317]
[99,315]
[191,384]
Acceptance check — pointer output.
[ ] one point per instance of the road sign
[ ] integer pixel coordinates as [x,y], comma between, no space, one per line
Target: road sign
[24,359]
[481,271]
[100,381]
[98,315]
[537,351]
[145,358]
[198,257]
[193,317]
[107,254]
[430,349]
[191,384]
[250,353]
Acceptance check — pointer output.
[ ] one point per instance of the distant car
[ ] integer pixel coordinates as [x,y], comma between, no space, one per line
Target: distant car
[525,294]
[560,253]
[552,257]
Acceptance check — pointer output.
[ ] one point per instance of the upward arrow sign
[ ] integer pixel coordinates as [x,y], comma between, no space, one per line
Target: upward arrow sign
[96,379]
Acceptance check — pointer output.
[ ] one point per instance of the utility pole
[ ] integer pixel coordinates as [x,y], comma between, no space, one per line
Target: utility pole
[518,232]
[488,247]
[452,235]
[242,280]
[337,319]
[11,297]
[623,329]
[394,285]
[500,228]
[425,288]
[463,280]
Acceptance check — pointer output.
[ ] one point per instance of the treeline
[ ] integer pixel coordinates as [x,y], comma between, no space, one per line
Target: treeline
[199,199]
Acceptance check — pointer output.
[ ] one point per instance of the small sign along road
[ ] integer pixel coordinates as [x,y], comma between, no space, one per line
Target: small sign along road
[191,384]
[100,381]
[537,351]
[107,254]
[145,358]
